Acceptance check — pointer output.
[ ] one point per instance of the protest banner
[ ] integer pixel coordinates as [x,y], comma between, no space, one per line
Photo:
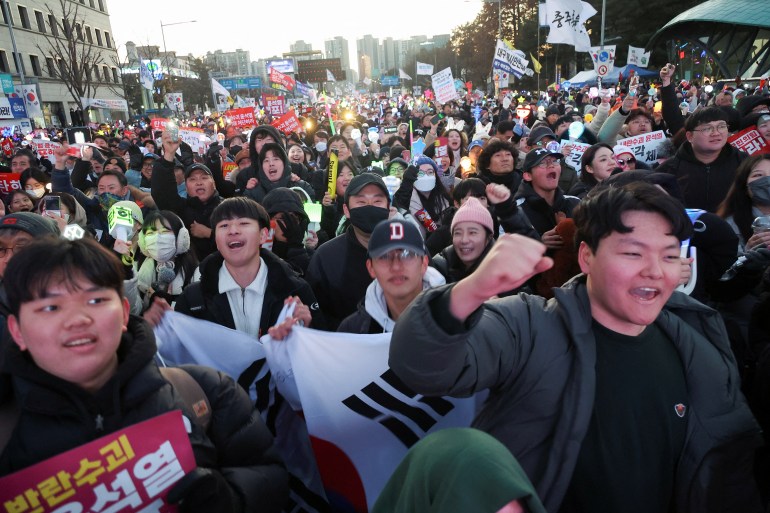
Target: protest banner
[443,86]
[158,123]
[44,148]
[573,159]
[566,19]
[509,61]
[287,123]
[241,118]
[273,104]
[129,470]
[750,141]
[9,182]
[228,168]
[645,146]
[195,138]
[424,69]
[285,81]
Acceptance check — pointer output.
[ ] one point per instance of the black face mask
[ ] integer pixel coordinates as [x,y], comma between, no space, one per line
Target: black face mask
[235,150]
[366,218]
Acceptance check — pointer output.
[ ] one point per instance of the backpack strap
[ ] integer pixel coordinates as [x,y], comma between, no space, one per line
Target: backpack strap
[9,417]
[192,394]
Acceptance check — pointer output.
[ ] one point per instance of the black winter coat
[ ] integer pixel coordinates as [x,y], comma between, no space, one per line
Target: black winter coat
[282,282]
[57,416]
[539,212]
[703,186]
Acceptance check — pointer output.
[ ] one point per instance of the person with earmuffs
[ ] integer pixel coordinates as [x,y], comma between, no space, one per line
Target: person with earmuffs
[166,264]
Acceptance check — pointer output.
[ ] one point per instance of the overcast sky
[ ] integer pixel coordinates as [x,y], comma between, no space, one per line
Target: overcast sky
[267,28]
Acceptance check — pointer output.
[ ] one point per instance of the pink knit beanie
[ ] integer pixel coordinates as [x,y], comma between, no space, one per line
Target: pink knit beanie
[474,211]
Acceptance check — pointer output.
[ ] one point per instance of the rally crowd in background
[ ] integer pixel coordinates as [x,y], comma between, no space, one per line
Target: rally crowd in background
[467,196]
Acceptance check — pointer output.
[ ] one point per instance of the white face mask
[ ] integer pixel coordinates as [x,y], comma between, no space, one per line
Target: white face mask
[36,193]
[425,183]
[320,147]
[161,247]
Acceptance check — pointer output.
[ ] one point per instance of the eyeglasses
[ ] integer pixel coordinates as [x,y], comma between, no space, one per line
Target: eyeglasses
[422,172]
[549,163]
[12,249]
[402,255]
[711,129]
[623,162]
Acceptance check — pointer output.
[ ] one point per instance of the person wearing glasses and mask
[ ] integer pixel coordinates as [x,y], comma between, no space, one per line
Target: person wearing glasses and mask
[705,164]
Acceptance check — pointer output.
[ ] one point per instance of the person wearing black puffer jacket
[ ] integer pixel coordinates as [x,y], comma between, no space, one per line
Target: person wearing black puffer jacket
[261,135]
[273,171]
[83,368]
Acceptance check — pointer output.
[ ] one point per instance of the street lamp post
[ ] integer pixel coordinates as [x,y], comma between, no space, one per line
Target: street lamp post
[165,51]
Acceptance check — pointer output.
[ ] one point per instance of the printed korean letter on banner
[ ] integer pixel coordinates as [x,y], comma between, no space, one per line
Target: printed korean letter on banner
[158,123]
[10,181]
[285,81]
[645,146]
[750,141]
[573,159]
[604,59]
[132,469]
[444,86]
[273,105]
[110,104]
[508,60]
[45,148]
[287,123]
[192,136]
[361,417]
[241,118]
[146,77]
[638,57]
[424,69]
[566,19]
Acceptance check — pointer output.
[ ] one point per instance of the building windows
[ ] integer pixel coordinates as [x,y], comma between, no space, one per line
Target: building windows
[106,72]
[35,62]
[101,5]
[98,37]
[79,31]
[91,3]
[4,62]
[53,25]
[51,66]
[89,37]
[107,42]
[40,20]
[24,17]
[115,77]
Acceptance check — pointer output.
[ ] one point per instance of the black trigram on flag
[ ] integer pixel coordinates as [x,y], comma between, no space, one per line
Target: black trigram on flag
[424,412]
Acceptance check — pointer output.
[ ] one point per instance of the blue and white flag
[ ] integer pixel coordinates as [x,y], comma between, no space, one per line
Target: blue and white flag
[509,60]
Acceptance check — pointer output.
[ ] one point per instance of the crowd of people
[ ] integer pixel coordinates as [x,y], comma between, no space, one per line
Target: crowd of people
[614,305]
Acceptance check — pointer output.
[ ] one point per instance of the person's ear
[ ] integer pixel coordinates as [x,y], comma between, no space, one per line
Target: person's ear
[585,258]
[264,235]
[126,313]
[370,268]
[15,330]
[346,211]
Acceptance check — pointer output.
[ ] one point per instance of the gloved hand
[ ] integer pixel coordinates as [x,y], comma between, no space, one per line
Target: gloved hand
[291,229]
[204,490]
[213,152]
[410,174]
[756,260]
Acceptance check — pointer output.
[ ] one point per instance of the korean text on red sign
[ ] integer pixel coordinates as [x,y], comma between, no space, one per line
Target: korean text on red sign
[130,470]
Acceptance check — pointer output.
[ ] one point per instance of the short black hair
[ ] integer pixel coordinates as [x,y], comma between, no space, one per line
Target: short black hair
[117,174]
[240,206]
[35,173]
[504,126]
[474,186]
[702,116]
[50,260]
[493,146]
[24,152]
[601,212]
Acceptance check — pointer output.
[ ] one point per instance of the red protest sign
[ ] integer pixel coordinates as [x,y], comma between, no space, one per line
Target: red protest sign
[158,123]
[9,182]
[241,118]
[273,104]
[128,470]
[750,141]
[287,123]
[228,168]
[285,81]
